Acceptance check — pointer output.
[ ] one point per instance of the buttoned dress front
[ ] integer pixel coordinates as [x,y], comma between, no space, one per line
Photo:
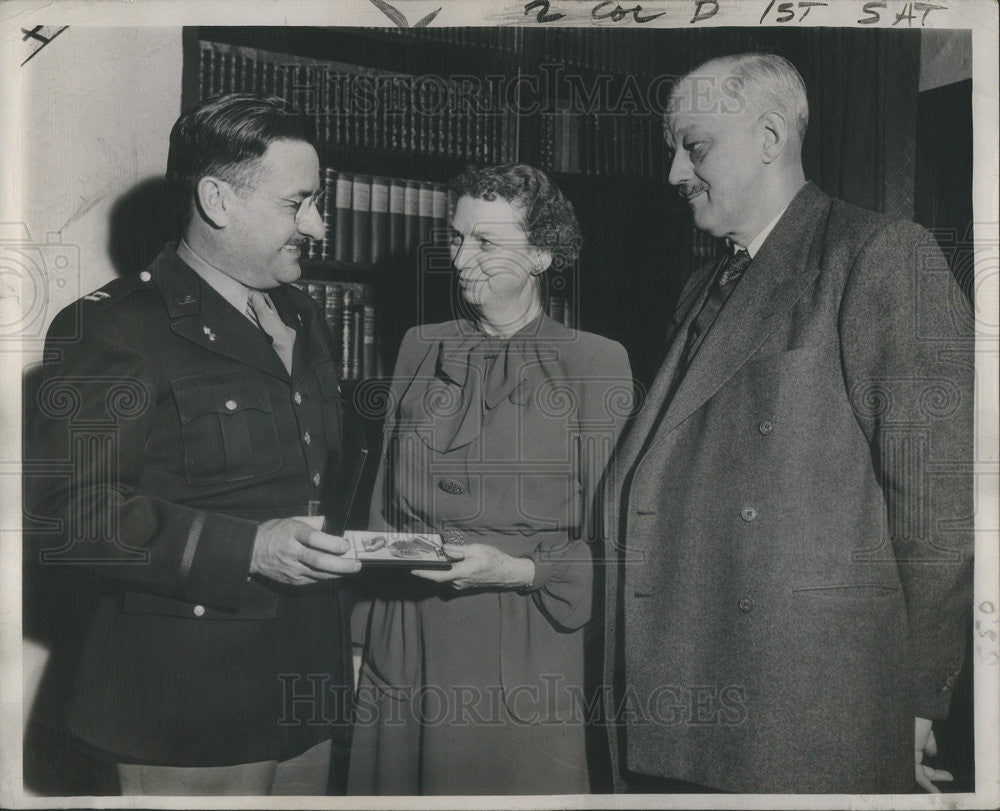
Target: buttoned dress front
[498,442]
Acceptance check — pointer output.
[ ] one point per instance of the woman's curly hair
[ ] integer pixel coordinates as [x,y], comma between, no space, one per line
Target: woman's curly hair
[549,218]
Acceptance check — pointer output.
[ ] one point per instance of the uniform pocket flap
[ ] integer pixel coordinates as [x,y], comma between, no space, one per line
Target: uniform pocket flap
[218,393]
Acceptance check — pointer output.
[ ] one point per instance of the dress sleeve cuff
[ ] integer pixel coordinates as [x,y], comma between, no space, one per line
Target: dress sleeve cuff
[543,573]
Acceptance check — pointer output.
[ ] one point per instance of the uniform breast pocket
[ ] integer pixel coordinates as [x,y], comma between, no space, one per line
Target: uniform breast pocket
[227,427]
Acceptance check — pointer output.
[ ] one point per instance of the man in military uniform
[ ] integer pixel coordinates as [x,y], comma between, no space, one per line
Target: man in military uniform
[197,406]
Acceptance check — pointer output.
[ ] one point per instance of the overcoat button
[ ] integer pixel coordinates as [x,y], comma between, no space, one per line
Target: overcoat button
[198,611]
[745,604]
[766,427]
[231,405]
[748,514]
[145,276]
[297,397]
[316,479]
[451,487]
[306,436]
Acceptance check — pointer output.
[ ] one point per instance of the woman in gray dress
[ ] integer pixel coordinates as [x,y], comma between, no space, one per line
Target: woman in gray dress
[499,429]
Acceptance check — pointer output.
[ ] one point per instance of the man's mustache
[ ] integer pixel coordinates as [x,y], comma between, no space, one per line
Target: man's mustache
[689,190]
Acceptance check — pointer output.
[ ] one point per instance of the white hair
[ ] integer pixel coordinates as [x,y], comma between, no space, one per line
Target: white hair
[764,82]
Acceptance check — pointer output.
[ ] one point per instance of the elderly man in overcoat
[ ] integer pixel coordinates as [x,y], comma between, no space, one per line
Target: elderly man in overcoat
[191,413]
[790,542]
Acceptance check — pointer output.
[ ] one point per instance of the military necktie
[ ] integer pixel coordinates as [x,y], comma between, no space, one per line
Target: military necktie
[282,337]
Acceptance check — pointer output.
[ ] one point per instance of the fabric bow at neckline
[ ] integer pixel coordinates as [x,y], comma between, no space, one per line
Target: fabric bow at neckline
[486,370]
[495,363]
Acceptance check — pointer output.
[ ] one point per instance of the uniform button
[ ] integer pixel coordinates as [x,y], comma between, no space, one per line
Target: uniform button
[307,438]
[297,398]
[748,514]
[145,276]
[316,479]
[199,611]
[950,681]
[766,427]
[231,405]
[451,487]
[745,604]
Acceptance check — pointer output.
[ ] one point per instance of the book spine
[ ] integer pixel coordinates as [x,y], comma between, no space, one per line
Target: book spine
[425,212]
[246,71]
[346,336]
[411,216]
[318,292]
[329,214]
[397,223]
[369,362]
[366,110]
[342,217]
[335,314]
[557,306]
[569,313]
[356,345]
[219,74]
[207,67]
[337,113]
[439,214]
[380,220]
[361,220]
[395,113]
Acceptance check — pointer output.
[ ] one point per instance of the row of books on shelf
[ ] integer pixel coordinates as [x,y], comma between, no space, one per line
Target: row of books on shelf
[561,308]
[703,247]
[351,316]
[603,144]
[589,47]
[493,38]
[351,106]
[611,50]
[372,219]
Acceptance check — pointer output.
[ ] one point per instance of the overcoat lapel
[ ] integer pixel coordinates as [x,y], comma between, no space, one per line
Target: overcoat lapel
[783,268]
[639,433]
[202,316]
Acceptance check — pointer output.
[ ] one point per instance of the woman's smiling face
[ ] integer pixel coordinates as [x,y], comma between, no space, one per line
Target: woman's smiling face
[496,262]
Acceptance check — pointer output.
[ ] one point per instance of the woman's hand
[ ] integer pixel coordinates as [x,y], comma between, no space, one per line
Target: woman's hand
[479,565]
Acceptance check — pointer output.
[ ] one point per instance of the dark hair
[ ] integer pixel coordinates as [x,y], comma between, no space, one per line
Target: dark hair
[549,219]
[225,135]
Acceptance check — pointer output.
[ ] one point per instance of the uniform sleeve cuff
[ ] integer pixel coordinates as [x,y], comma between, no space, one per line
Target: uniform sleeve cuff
[220,561]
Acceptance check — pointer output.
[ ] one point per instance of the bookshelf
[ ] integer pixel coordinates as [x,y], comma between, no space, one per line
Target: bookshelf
[404,111]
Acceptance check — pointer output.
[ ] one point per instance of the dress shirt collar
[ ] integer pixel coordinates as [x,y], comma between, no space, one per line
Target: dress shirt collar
[233,291]
[758,240]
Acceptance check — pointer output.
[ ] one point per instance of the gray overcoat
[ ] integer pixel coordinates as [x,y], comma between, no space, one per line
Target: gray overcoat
[790,535]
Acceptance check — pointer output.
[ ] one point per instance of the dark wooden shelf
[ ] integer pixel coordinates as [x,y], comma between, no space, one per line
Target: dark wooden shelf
[362,270]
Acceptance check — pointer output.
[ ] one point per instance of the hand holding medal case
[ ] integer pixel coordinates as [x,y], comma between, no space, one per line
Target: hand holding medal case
[396,549]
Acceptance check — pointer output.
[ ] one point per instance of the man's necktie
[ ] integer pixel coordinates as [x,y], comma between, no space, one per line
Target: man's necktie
[282,336]
[733,267]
